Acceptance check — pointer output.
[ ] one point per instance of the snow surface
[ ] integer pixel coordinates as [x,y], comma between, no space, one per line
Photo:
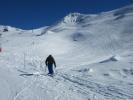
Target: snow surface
[94,55]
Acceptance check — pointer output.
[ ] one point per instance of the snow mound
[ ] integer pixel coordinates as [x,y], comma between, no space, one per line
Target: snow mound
[113,58]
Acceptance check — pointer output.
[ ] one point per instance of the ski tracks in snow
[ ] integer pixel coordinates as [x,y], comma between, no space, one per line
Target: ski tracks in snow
[66,87]
[28,83]
[41,87]
[99,89]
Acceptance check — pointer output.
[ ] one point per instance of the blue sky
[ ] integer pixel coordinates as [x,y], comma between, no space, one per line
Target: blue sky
[28,14]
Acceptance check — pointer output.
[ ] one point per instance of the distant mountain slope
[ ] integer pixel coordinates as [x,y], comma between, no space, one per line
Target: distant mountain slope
[95,34]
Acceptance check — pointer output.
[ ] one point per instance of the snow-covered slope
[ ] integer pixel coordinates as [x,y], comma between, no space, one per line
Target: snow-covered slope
[8,28]
[93,54]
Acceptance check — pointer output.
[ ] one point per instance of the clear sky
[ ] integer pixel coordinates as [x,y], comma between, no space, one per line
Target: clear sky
[28,14]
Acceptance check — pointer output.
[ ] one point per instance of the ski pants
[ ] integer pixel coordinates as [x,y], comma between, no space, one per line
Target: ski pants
[50,68]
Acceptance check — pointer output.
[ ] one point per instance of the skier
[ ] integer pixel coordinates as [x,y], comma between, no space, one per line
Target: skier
[49,62]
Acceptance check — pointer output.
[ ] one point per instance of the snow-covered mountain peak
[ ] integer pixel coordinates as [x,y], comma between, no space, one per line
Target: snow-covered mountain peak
[77,18]
[72,18]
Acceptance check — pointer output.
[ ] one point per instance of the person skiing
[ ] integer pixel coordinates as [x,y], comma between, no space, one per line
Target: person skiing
[49,62]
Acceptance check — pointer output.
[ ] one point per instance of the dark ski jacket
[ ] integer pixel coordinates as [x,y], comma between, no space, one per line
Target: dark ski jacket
[50,60]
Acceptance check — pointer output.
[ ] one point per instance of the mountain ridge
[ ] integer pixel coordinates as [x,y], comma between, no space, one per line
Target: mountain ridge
[76,17]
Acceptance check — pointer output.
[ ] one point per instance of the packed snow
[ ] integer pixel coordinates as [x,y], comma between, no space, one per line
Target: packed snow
[93,52]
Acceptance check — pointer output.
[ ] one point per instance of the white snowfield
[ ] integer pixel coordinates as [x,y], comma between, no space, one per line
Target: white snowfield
[94,56]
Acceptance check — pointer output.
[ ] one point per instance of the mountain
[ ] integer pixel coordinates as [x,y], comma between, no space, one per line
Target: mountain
[93,53]
[8,28]
[107,30]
